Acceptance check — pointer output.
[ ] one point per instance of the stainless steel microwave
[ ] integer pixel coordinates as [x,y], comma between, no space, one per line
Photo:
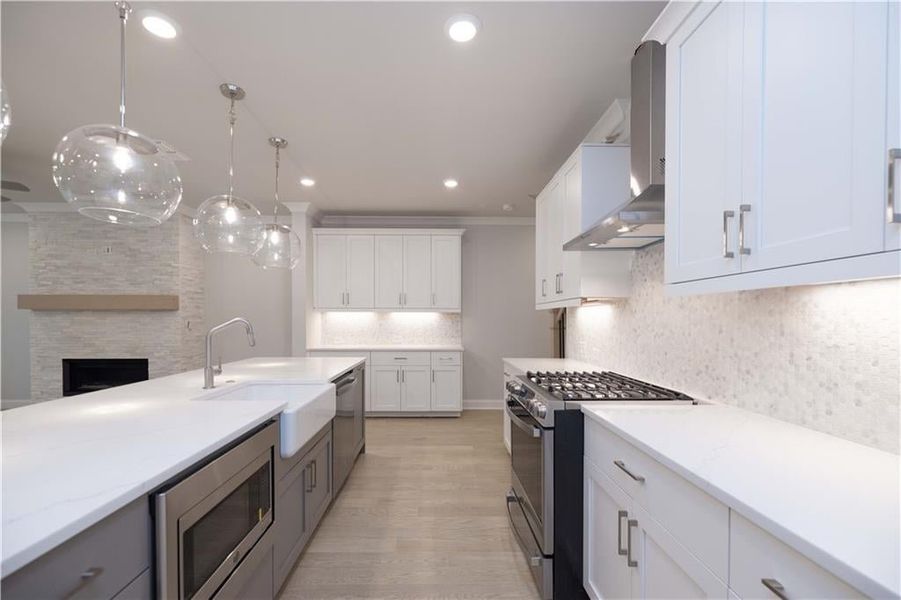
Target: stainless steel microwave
[209,520]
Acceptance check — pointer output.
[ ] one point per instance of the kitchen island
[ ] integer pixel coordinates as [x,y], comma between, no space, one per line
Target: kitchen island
[70,463]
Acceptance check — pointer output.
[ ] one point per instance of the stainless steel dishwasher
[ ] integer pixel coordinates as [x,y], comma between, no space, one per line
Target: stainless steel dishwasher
[349,427]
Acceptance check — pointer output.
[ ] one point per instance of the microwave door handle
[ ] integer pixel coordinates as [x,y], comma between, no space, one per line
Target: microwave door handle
[519,422]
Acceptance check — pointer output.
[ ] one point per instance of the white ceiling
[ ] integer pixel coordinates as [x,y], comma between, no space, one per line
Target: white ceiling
[377,104]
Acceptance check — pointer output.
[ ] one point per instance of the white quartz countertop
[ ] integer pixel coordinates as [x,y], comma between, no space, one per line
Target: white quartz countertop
[521,365]
[69,463]
[390,348]
[835,501]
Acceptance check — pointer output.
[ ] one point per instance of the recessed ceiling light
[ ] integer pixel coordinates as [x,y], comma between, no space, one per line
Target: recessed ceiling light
[307,182]
[451,183]
[462,28]
[507,207]
[158,24]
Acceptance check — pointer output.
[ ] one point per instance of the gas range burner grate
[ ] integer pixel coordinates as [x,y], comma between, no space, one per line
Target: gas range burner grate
[606,385]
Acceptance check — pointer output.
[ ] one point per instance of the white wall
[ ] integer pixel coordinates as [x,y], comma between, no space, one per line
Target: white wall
[826,357]
[499,316]
[236,287]
[15,364]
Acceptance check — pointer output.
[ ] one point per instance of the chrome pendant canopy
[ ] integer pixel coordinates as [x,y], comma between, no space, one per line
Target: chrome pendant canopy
[115,174]
[282,247]
[228,223]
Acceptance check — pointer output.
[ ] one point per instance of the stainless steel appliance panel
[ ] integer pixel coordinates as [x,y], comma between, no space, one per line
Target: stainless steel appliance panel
[209,521]
[532,459]
[348,429]
[542,567]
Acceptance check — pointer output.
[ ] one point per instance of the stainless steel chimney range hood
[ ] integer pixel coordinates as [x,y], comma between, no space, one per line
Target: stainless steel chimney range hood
[638,222]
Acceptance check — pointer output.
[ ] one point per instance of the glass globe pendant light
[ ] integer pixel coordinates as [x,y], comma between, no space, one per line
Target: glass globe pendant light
[228,223]
[5,113]
[115,174]
[281,248]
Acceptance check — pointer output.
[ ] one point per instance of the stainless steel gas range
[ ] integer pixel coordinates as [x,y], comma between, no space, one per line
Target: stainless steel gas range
[546,448]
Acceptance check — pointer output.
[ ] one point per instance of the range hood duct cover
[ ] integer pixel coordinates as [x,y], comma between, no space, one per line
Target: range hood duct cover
[638,221]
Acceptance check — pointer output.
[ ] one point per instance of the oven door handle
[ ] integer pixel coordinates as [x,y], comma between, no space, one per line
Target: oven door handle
[534,431]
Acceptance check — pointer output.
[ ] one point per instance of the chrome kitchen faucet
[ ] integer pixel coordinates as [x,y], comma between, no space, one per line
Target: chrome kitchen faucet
[209,371]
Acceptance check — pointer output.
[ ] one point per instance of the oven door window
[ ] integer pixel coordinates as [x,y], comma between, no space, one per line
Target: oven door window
[526,453]
[210,540]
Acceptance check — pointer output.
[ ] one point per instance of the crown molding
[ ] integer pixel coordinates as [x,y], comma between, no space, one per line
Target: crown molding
[420,221]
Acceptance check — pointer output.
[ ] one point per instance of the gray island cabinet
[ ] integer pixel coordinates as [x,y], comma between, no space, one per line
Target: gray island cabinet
[108,560]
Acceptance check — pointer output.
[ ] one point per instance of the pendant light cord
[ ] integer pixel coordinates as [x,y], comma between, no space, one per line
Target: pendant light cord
[232,117]
[275,211]
[124,10]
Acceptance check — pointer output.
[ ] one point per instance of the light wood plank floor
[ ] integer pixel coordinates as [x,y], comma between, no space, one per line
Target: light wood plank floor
[422,516]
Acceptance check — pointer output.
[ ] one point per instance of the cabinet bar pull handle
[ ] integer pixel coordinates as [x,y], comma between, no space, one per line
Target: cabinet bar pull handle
[619,532]
[348,298]
[397,375]
[629,525]
[433,299]
[315,482]
[403,376]
[309,469]
[727,214]
[84,579]
[543,287]
[774,586]
[742,249]
[400,298]
[623,468]
[894,186]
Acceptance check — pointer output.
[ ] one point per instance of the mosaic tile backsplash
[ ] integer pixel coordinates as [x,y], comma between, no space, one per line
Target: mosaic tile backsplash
[393,328]
[825,357]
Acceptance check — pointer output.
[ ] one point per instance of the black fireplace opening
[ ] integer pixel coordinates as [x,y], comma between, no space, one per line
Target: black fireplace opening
[82,375]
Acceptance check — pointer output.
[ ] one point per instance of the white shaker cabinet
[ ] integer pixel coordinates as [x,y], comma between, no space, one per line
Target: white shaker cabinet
[780,117]
[447,388]
[417,382]
[703,155]
[594,174]
[417,271]
[446,271]
[627,553]
[385,389]
[606,571]
[343,271]
[814,132]
[388,269]
[415,389]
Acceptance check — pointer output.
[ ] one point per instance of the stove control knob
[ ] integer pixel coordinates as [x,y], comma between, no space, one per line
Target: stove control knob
[541,411]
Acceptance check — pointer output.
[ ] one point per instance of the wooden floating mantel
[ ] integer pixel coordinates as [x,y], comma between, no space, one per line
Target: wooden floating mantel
[98,301]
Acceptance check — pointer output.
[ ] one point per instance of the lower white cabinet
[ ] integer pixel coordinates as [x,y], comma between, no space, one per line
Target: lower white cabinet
[411,382]
[649,532]
[628,554]
[759,565]
[447,388]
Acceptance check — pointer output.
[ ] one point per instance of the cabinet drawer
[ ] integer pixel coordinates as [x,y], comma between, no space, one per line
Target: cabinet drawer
[401,358]
[694,518]
[443,359]
[97,563]
[756,556]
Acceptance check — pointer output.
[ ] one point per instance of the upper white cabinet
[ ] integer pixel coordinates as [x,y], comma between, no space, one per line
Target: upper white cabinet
[344,271]
[780,118]
[389,269]
[447,270]
[565,278]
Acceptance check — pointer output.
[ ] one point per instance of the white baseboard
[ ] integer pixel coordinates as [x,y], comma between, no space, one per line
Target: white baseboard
[489,404]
